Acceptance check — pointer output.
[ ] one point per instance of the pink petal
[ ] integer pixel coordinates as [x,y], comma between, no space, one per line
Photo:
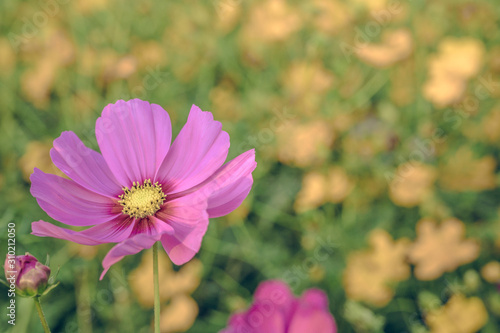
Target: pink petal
[227,199]
[265,317]
[134,138]
[67,202]
[276,291]
[279,294]
[237,324]
[188,217]
[312,318]
[85,166]
[198,151]
[315,298]
[112,231]
[182,246]
[129,246]
[229,185]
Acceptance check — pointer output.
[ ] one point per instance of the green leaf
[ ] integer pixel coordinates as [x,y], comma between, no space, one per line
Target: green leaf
[50,287]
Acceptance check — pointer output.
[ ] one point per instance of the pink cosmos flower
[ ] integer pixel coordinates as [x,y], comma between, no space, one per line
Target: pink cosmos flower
[276,310]
[142,189]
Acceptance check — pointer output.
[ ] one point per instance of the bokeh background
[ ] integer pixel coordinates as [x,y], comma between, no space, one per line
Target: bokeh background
[377,130]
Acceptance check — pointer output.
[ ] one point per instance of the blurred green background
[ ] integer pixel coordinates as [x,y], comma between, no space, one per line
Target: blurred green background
[377,131]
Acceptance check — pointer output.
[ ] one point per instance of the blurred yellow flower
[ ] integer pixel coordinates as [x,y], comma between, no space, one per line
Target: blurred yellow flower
[319,188]
[463,172]
[116,68]
[90,6]
[37,155]
[412,184]
[372,5]
[306,83]
[172,283]
[56,50]
[149,54]
[304,144]
[179,315]
[459,315]
[229,13]
[331,16]
[491,272]
[440,249]
[370,273]
[396,46]
[312,194]
[458,60]
[36,83]
[272,20]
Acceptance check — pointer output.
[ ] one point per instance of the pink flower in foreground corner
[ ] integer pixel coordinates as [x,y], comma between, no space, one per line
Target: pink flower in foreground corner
[142,189]
[276,310]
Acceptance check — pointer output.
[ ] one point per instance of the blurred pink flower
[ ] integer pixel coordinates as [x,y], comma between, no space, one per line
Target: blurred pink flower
[142,189]
[276,310]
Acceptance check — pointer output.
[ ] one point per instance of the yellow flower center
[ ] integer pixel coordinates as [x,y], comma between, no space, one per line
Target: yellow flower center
[142,200]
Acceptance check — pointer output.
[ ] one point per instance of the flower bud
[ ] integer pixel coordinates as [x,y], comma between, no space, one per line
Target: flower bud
[29,276]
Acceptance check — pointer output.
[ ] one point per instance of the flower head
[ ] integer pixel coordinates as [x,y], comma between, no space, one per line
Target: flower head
[142,189]
[27,273]
[370,273]
[460,314]
[276,310]
[441,248]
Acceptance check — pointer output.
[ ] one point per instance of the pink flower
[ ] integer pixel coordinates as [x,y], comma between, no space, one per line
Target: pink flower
[28,275]
[276,310]
[142,189]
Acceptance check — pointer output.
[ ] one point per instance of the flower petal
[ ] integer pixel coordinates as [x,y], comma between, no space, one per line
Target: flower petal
[237,324]
[85,166]
[312,320]
[198,151]
[182,246]
[134,138]
[279,294]
[188,217]
[315,298]
[312,314]
[67,202]
[112,231]
[230,197]
[264,317]
[129,246]
[228,186]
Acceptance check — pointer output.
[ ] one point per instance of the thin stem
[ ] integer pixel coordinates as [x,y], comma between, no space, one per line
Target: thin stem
[46,328]
[156,287]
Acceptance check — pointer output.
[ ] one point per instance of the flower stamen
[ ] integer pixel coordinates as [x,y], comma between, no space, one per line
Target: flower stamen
[142,200]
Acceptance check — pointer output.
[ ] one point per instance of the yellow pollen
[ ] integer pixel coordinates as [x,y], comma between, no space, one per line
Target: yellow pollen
[142,200]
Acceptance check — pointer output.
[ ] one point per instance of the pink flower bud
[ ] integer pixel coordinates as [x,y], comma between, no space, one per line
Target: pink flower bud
[29,276]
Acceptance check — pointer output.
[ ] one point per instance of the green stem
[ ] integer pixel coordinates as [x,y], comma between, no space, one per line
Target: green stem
[156,287]
[46,328]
